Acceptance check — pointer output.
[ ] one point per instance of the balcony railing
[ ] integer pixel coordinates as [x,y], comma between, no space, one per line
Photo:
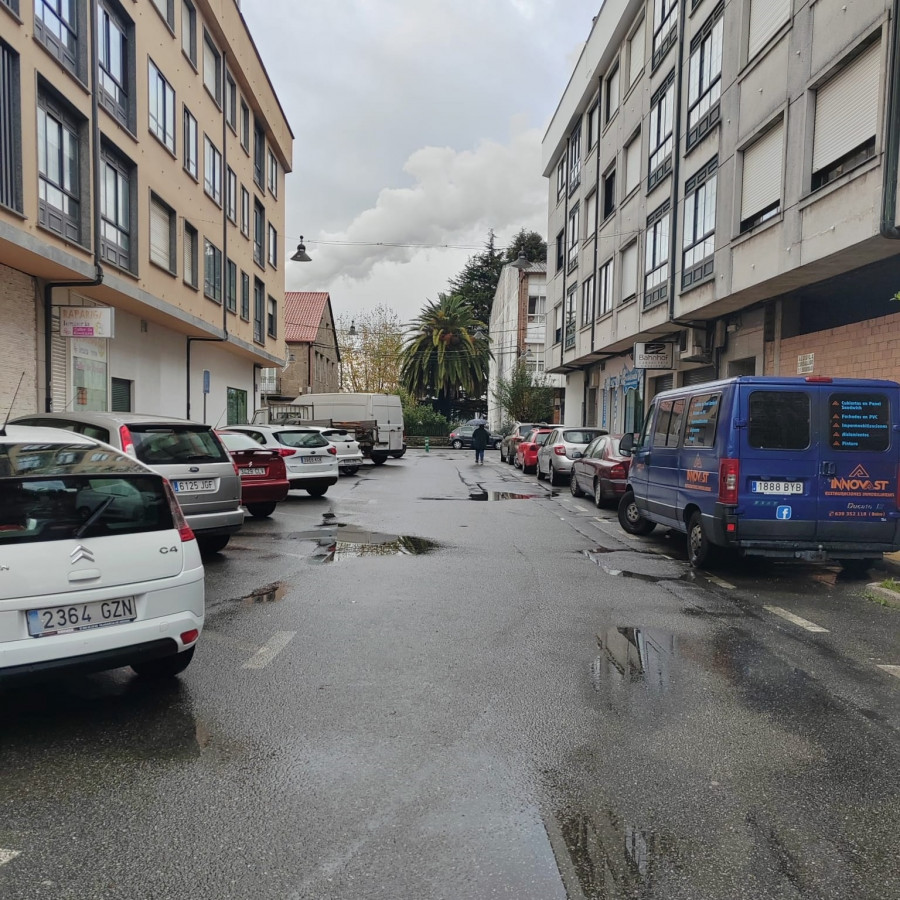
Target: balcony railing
[269,382]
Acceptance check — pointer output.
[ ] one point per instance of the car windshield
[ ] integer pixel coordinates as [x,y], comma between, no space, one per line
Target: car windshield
[578,436]
[301,438]
[233,441]
[159,445]
[66,507]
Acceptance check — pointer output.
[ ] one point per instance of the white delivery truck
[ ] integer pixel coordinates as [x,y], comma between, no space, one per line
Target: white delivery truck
[377,419]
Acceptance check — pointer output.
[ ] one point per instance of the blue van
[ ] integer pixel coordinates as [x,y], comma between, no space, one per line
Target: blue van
[798,468]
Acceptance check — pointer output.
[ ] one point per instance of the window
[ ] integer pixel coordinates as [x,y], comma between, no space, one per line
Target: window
[632,164]
[189,30]
[779,420]
[230,101]
[272,170]
[212,271]
[121,390]
[190,254]
[575,159]
[561,177]
[190,144]
[212,68]
[656,268]
[761,188]
[766,18]
[12,4]
[667,428]
[259,233]
[611,94]
[862,422]
[571,300]
[231,194]
[574,238]
[59,168]
[560,251]
[162,234]
[629,272]
[590,226]
[56,27]
[847,118]
[245,211]
[587,300]
[660,124]
[272,318]
[609,193]
[557,323]
[212,170]
[166,9]
[245,126]
[115,49]
[593,119]
[636,53]
[605,289]
[230,286]
[162,108]
[665,18]
[245,296]
[273,246]
[705,78]
[702,418]
[259,291]
[116,196]
[259,153]
[699,225]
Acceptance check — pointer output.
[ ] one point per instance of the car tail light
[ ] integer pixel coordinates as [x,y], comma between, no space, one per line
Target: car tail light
[234,466]
[286,451]
[729,476]
[332,450]
[559,449]
[178,519]
[188,637]
[617,471]
[277,468]
[126,440]
[818,379]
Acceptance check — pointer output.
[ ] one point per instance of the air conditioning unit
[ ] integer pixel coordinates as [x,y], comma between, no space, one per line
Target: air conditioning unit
[694,346]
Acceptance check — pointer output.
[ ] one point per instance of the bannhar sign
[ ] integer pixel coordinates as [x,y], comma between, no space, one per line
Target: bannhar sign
[86,321]
[655,355]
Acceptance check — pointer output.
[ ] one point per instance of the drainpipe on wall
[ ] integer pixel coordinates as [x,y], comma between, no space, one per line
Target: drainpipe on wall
[888,228]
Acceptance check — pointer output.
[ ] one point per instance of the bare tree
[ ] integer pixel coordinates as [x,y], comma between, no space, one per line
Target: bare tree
[370,357]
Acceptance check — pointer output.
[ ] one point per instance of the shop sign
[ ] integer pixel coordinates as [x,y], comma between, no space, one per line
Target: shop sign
[654,355]
[86,321]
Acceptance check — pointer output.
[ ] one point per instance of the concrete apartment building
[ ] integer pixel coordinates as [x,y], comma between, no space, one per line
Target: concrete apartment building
[149,169]
[723,185]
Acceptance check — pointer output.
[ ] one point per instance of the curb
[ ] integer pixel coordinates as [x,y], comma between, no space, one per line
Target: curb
[885,595]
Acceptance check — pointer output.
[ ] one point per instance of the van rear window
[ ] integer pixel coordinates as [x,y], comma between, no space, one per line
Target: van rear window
[859,421]
[779,420]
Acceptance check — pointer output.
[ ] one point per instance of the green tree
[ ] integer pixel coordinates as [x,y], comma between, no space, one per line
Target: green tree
[477,282]
[530,243]
[370,357]
[523,396]
[446,353]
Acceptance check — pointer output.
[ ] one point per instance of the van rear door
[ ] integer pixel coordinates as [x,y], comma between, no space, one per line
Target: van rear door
[859,463]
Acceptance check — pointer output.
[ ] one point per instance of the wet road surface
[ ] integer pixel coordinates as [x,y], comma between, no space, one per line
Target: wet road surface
[404,694]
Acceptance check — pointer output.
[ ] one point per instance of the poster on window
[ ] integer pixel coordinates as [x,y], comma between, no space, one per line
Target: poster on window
[89,374]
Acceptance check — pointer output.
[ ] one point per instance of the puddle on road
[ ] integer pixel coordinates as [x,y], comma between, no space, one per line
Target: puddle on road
[354,543]
[271,593]
[505,495]
[621,563]
[631,655]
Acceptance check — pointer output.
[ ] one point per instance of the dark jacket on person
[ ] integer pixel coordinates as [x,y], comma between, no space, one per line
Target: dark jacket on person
[480,438]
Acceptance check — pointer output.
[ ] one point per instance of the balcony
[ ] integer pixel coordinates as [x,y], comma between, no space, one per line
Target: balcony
[269,381]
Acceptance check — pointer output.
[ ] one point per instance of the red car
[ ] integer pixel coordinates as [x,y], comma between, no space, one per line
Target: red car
[264,481]
[601,471]
[527,448]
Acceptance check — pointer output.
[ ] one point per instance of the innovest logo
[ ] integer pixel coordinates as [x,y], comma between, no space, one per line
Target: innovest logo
[858,480]
[859,472]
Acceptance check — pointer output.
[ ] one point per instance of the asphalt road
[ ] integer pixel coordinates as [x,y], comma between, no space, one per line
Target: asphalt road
[427,685]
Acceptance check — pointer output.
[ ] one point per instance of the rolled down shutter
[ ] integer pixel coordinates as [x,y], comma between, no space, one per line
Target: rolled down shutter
[636,59]
[59,366]
[847,109]
[159,233]
[762,172]
[629,271]
[190,263]
[632,165]
[766,17]
[699,376]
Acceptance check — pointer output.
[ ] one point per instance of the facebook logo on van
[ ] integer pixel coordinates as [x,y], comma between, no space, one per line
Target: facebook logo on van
[783,512]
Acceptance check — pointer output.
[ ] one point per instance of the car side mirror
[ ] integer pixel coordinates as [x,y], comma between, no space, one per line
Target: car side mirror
[626,444]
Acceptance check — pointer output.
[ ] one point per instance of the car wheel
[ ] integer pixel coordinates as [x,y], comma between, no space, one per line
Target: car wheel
[167,667]
[261,510]
[349,470]
[857,568]
[539,472]
[700,551]
[516,464]
[551,475]
[213,543]
[598,493]
[573,485]
[317,491]
[378,459]
[630,517]
[457,444]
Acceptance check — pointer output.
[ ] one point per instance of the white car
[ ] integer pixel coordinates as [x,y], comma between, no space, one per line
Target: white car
[310,459]
[349,456]
[98,566]
[563,446]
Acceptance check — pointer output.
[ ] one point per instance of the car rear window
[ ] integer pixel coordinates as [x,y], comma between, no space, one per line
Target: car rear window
[859,421]
[159,445]
[64,459]
[541,438]
[779,420]
[66,507]
[234,441]
[301,438]
[578,436]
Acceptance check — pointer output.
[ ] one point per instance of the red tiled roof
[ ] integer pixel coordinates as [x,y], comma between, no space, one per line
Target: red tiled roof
[302,314]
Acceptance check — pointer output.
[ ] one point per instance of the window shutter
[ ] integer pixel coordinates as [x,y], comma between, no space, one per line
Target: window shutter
[762,173]
[190,264]
[636,60]
[632,165]
[699,376]
[60,367]
[629,271]
[766,17]
[120,395]
[159,234]
[847,109]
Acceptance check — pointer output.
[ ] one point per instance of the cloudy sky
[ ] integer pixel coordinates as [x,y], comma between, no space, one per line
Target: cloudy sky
[416,122]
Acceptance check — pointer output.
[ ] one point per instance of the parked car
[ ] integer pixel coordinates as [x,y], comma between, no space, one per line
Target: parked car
[349,456]
[563,445]
[264,482]
[527,449]
[203,475]
[100,568]
[601,471]
[461,436]
[508,442]
[311,460]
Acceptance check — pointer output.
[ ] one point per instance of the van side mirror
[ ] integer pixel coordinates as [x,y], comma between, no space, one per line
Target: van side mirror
[626,444]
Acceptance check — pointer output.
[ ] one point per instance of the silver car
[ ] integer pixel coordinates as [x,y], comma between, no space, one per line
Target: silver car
[563,446]
[189,454]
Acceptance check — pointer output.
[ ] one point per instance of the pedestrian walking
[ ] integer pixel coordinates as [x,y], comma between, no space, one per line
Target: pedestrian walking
[480,442]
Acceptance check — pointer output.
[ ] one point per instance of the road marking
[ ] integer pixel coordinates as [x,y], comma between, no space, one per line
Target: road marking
[8,855]
[891,670]
[803,623]
[719,581]
[269,650]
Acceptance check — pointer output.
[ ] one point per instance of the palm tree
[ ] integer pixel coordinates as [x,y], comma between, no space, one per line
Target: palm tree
[446,353]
